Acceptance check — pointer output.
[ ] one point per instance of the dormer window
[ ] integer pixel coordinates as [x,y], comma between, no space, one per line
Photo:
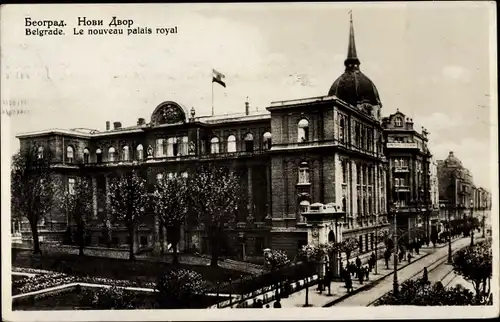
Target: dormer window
[249,142]
[303,130]
[304,173]
[398,122]
[70,154]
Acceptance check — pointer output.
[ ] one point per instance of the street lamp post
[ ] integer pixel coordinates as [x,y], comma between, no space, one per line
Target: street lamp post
[483,223]
[395,281]
[471,223]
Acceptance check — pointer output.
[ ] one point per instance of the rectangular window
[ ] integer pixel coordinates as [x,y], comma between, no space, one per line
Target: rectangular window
[304,175]
[71,186]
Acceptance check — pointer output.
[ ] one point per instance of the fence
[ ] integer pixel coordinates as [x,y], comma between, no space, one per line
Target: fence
[253,285]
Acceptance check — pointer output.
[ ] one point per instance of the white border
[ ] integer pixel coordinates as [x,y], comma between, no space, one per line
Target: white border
[370,313]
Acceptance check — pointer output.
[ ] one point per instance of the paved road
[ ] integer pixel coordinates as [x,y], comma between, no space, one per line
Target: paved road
[385,285]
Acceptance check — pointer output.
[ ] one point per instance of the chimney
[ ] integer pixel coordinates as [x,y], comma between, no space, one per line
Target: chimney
[247,108]
[409,124]
[141,121]
[108,126]
[117,125]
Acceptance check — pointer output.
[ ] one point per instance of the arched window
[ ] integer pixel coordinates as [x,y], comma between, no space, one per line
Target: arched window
[344,205]
[398,122]
[231,143]
[86,155]
[111,154]
[249,142]
[396,163]
[40,152]
[125,153]
[304,173]
[396,182]
[70,155]
[98,154]
[341,129]
[267,139]
[214,145]
[303,207]
[303,130]
[140,152]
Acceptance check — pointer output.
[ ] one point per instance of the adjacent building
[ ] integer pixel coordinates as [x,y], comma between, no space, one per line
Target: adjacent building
[409,176]
[458,195]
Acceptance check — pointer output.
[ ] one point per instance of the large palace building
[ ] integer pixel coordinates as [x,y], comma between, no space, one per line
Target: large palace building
[327,149]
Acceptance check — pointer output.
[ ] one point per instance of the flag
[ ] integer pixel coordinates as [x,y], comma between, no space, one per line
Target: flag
[218,78]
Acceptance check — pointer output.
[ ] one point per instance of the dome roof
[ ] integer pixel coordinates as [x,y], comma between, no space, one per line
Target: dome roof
[353,86]
[452,160]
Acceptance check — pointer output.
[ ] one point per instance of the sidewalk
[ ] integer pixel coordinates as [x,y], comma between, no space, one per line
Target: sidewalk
[338,289]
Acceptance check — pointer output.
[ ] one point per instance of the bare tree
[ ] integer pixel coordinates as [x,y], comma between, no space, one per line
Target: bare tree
[78,204]
[214,195]
[32,189]
[128,198]
[171,206]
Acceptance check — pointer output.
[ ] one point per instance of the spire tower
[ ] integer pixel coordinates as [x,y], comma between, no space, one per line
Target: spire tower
[352,61]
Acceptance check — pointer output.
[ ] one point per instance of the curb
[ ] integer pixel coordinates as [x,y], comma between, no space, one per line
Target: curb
[368,286]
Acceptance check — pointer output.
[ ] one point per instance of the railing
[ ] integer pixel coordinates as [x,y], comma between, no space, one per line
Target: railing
[323,143]
[401,169]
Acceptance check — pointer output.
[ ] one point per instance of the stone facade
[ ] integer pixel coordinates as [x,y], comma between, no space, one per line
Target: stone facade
[410,176]
[327,149]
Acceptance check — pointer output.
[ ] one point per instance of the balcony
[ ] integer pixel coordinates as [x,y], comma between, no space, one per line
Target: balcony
[402,145]
[401,169]
[401,188]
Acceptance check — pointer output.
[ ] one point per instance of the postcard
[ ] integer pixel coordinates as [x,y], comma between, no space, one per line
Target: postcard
[311,160]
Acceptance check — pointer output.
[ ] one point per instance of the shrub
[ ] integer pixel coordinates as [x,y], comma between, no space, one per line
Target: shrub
[180,288]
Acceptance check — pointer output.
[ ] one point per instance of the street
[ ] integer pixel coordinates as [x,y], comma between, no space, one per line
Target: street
[386,284]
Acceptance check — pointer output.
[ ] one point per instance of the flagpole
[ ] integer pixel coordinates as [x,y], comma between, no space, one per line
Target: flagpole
[212,98]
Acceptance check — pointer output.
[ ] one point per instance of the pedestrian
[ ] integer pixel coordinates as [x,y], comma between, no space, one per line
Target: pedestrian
[348,284]
[360,276]
[386,257]
[358,262]
[328,281]
[367,273]
[277,303]
[260,304]
[417,249]
[254,304]
[409,257]
[425,277]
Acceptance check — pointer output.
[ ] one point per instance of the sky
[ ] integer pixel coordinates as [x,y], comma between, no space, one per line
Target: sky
[431,61]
